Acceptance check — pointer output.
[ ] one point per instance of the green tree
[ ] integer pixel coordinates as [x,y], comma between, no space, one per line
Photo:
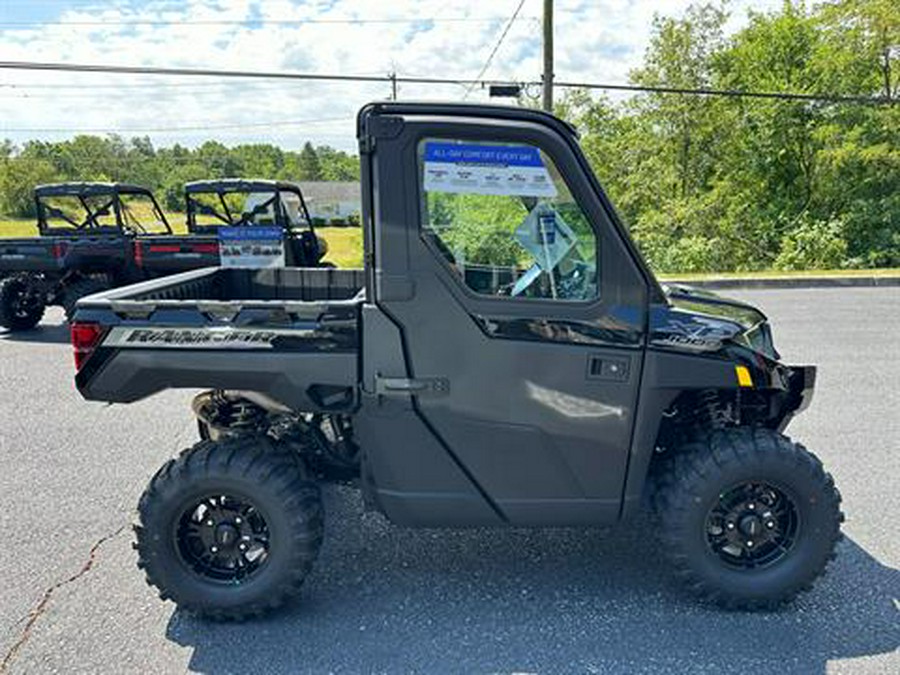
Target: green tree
[18,176]
[308,165]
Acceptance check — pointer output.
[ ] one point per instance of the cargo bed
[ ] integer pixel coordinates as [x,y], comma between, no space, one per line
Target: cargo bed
[291,333]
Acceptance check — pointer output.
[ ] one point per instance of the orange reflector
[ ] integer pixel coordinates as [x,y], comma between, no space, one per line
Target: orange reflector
[743,376]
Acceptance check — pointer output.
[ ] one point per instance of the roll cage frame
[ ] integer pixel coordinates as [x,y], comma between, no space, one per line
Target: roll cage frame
[227,218]
[126,222]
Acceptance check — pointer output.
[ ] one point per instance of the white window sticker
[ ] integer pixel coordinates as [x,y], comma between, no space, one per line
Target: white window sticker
[469,168]
[251,246]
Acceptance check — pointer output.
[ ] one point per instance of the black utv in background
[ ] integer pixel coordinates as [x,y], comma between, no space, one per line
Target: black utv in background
[82,247]
[233,202]
[546,379]
[95,236]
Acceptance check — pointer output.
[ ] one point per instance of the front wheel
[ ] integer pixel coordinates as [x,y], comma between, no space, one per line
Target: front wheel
[748,518]
[229,529]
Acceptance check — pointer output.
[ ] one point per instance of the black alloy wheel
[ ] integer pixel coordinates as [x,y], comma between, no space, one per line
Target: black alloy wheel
[753,524]
[223,538]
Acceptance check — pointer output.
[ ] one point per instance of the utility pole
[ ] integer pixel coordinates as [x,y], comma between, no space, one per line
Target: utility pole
[393,77]
[548,56]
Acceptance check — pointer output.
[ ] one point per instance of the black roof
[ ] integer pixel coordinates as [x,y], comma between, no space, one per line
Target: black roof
[88,189]
[509,112]
[240,185]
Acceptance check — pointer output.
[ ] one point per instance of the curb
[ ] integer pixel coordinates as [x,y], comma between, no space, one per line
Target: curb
[791,282]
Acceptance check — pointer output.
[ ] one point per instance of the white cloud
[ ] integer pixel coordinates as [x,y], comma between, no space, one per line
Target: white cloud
[597,40]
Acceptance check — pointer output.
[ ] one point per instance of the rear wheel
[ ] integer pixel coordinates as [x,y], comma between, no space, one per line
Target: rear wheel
[21,305]
[748,518]
[80,289]
[229,529]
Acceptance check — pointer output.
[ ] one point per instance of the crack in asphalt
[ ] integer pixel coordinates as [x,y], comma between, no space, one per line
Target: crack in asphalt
[41,607]
[38,611]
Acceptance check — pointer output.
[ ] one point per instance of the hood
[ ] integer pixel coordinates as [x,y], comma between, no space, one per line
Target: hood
[699,321]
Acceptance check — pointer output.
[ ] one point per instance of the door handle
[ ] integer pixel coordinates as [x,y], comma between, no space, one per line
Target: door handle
[607,368]
[399,386]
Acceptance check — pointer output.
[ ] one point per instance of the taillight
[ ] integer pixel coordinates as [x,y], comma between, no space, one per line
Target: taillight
[85,338]
[138,253]
[58,250]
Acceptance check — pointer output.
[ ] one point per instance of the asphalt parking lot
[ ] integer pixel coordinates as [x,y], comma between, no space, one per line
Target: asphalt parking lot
[385,599]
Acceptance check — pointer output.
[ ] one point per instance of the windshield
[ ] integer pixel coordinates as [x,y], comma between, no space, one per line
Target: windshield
[210,210]
[79,214]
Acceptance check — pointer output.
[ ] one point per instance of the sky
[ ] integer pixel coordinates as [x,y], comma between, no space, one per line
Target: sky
[595,40]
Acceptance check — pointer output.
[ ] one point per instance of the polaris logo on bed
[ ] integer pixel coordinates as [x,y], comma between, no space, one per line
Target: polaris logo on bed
[189,338]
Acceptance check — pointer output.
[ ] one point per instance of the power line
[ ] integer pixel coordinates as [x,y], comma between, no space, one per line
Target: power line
[321,77]
[731,93]
[250,21]
[490,58]
[109,97]
[199,127]
[141,85]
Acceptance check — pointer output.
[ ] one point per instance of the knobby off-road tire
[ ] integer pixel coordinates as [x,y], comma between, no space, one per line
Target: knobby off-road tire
[16,313]
[80,289]
[723,486]
[250,491]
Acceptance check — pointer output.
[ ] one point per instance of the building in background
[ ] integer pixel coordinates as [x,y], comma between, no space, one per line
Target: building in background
[333,202]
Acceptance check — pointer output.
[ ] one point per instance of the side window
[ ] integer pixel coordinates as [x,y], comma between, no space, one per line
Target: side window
[504,220]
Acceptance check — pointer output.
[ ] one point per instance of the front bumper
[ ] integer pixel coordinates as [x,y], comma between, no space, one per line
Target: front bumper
[801,382]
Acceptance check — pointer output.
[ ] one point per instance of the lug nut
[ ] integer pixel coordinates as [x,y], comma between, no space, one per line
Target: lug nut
[214,549]
[730,526]
[751,506]
[770,524]
[749,544]
[238,520]
[242,546]
[209,523]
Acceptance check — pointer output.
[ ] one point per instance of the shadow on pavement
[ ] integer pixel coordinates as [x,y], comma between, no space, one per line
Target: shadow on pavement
[46,333]
[387,599]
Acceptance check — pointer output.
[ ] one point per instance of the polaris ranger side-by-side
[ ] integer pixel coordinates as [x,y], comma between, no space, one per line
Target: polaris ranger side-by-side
[83,247]
[557,384]
[95,236]
[232,203]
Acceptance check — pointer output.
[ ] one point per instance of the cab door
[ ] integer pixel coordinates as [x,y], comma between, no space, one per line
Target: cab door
[521,309]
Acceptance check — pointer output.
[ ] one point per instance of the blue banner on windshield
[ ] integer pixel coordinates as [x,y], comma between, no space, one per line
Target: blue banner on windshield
[492,155]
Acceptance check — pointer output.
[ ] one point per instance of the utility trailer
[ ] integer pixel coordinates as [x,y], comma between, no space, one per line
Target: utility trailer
[544,380]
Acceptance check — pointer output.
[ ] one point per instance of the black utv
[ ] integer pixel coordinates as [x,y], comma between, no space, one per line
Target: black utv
[242,202]
[83,247]
[506,358]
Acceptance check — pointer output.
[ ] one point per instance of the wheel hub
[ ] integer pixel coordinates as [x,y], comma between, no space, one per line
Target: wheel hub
[223,539]
[752,525]
[227,535]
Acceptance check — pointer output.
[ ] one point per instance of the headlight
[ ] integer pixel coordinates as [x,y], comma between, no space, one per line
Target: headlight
[759,339]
